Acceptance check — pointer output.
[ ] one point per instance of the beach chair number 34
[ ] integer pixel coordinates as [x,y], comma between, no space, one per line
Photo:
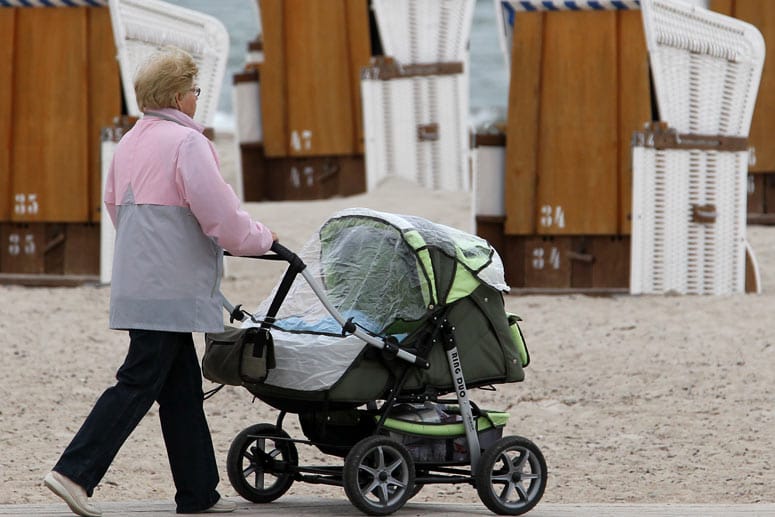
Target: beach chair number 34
[552,216]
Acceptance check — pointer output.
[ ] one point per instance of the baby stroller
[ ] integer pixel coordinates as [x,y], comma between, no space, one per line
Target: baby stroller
[374,337]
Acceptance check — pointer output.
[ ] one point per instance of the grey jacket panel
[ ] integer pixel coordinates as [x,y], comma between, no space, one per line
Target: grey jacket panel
[166,271]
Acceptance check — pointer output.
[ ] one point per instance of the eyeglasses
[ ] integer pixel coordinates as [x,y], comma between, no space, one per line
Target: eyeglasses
[196,91]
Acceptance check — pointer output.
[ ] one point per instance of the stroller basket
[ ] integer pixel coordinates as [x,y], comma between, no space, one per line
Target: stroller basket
[442,439]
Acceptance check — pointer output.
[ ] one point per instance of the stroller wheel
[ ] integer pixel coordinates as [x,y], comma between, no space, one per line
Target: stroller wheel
[378,475]
[511,476]
[260,463]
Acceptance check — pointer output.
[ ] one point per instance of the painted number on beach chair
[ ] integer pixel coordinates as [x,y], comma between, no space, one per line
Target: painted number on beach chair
[540,261]
[552,216]
[26,204]
[301,142]
[16,246]
[307,174]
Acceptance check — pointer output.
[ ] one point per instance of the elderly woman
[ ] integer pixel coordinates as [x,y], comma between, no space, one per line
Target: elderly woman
[174,215]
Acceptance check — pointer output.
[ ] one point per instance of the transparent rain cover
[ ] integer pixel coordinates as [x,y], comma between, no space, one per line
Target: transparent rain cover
[371,273]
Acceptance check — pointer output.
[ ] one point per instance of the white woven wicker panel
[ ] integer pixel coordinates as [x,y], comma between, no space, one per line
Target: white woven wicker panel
[488,166]
[141,27]
[670,252]
[706,67]
[392,111]
[246,98]
[424,31]
[107,231]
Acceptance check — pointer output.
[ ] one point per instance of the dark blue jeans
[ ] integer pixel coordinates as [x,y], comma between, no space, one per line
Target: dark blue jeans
[162,367]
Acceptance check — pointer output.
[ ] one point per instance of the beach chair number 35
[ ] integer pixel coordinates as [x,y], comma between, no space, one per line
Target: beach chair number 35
[16,245]
[26,204]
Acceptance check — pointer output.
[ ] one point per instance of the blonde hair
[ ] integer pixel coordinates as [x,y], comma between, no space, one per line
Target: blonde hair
[162,76]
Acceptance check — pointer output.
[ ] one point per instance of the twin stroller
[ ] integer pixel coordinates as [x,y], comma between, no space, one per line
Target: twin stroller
[377,321]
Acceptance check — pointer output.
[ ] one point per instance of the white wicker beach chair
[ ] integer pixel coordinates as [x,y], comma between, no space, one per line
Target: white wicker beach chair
[141,27]
[416,114]
[415,127]
[689,180]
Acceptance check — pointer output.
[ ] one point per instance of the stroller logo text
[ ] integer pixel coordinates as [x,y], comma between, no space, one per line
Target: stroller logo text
[460,382]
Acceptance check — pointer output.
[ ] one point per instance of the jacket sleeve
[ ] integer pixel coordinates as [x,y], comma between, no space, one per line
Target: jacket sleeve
[214,203]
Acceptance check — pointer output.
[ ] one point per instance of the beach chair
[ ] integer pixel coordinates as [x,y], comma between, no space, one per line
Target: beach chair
[141,27]
[415,103]
[690,171]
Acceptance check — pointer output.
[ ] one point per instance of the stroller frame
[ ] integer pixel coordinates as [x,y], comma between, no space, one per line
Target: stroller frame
[482,472]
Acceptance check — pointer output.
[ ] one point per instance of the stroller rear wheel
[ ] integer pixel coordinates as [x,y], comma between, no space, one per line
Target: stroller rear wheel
[511,476]
[378,475]
[258,463]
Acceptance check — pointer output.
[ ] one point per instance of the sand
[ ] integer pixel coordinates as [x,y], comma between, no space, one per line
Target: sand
[647,399]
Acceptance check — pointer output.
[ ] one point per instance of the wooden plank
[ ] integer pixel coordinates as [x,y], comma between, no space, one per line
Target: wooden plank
[577,189]
[547,262]
[722,6]
[762,15]
[82,249]
[755,204]
[7,26]
[23,246]
[50,157]
[272,72]
[359,53]
[490,228]
[514,260]
[751,278]
[104,94]
[524,108]
[319,86]
[305,505]
[634,104]
[769,193]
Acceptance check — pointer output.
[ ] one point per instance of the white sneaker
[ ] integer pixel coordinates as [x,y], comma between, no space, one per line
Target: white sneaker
[72,493]
[221,506]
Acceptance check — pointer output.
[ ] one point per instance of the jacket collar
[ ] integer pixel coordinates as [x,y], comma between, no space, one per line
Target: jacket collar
[174,115]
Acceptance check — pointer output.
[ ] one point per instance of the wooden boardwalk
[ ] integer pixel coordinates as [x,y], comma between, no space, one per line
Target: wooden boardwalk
[307,506]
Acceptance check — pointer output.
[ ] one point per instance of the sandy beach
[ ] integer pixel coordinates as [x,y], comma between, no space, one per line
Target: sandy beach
[648,399]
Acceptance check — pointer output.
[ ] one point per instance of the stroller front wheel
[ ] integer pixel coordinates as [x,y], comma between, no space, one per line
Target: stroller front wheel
[511,476]
[378,475]
[260,463]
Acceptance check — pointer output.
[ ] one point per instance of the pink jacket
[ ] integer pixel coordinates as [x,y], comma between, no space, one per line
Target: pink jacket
[174,214]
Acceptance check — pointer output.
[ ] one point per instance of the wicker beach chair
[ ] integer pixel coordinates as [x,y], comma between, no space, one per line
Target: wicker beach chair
[689,173]
[415,105]
[141,27]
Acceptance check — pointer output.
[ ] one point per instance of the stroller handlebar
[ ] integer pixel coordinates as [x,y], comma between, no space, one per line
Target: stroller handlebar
[283,252]
[280,253]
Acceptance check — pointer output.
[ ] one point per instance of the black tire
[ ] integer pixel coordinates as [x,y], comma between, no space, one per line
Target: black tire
[255,455]
[511,476]
[415,490]
[378,475]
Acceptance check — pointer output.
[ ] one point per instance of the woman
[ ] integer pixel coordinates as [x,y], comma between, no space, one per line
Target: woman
[174,215]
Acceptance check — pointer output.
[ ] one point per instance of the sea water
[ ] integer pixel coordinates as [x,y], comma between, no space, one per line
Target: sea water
[487,63]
